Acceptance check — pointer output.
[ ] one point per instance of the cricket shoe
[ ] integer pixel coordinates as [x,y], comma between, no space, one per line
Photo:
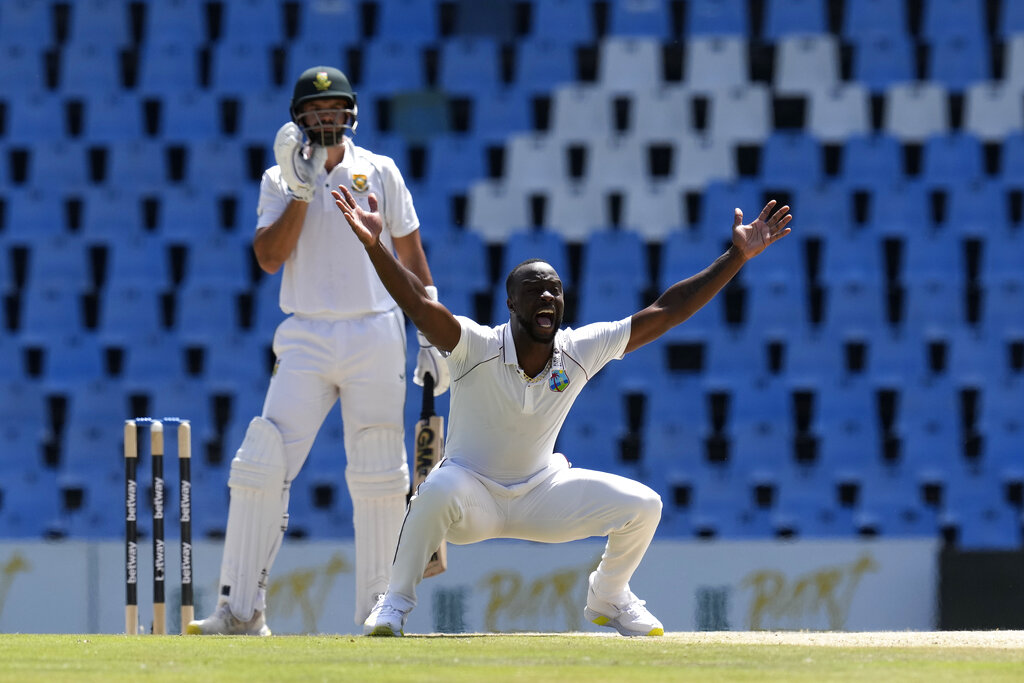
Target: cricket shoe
[385,619]
[630,618]
[223,622]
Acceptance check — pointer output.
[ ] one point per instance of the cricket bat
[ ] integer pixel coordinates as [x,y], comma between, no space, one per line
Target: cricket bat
[429,451]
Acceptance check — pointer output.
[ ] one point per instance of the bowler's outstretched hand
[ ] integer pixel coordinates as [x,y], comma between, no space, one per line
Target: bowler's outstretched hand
[769,227]
[367,225]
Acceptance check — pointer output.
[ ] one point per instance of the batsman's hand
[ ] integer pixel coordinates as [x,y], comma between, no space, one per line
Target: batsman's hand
[367,225]
[430,360]
[300,164]
[769,227]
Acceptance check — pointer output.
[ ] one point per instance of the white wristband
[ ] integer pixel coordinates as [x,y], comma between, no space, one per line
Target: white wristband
[431,292]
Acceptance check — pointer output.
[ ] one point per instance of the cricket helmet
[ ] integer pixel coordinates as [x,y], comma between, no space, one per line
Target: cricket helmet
[325,127]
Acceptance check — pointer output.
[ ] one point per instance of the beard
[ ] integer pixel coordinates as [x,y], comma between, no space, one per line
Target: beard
[535,333]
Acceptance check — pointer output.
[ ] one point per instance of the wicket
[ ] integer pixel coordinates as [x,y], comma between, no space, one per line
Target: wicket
[131,457]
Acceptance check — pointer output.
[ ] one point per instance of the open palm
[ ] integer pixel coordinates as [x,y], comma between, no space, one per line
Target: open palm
[367,225]
[767,228]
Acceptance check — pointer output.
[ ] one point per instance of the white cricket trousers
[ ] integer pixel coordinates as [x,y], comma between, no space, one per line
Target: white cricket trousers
[558,504]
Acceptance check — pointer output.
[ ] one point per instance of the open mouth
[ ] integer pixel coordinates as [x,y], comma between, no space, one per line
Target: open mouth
[545,318]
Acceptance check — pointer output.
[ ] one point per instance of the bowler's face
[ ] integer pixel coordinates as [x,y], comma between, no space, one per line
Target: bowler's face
[537,301]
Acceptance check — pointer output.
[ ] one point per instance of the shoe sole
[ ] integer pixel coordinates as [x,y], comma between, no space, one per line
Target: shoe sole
[384,631]
[196,630]
[602,620]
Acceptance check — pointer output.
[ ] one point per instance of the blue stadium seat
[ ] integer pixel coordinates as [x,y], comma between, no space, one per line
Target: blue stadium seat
[193,115]
[790,158]
[258,22]
[898,210]
[136,165]
[20,64]
[529,244]
[978,209]
[889,506]
[1000,422]
[262,114]
[806,506]
[717,17]
[50,312]
[217,260]
[182,21]
[216,165]
[875,17]
[92,18]
[389,66]
[50,160]
[73,361]
[958,61]
[149,359]
[542,64]
[569,22]
[976,508]
[1011,19]
[949,160]
[929,424]
[413,22]
[589,437]
[469,66]
[239,367]
[112,116]
[185,214]
[90,68]
[648,18]
[31,508]
[854,306]
[787,17]
[458,259]
[881,60]
[871,160]
[228,60]
[170,65]
[945,18]
[58,261]
[328,23]
[826,210]
[719,200]
[139,259]
[207,313]
[129,307]
[453,162]
[615,254]
[27,23]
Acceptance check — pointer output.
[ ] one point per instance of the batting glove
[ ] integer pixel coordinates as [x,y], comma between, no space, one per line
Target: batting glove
[298,171]
[430,359]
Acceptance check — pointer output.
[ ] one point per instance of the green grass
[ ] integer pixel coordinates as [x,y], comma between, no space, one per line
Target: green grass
[487,659]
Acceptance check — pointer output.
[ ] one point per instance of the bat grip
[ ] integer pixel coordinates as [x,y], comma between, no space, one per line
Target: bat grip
[428,396]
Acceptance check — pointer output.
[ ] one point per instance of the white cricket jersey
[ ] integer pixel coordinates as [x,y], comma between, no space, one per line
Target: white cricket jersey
[329,275]
[503,425]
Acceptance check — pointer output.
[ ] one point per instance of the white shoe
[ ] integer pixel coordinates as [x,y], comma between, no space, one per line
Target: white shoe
[630,618]
[385,619]
[223,622]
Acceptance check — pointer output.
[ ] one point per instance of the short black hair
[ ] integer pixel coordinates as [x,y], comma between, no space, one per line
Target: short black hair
[512,274]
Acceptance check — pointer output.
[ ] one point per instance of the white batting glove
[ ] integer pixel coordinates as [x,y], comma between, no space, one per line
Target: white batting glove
[430,359]
[298,171]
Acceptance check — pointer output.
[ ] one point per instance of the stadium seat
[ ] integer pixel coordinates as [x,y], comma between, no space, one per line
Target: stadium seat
[826,210]
[534,162]
[168,65]
[1013,61]
[184,20]
[139,259]
[948,160]
[790,158]
[580,113]
[207,313]
[716,63]
[129,307]
[956,62]
[21,63]
[882,60]
[717,17]
[251,21]
[783,18]
[659,114]
[577,211]
[975,507]
[653,211]
[30,215]
[92,18]
[228,60]
[617,255]
[993,110]
[494,118]
[412,22]
[327,23]
[837,114]
[916,111]
[806,63]
[700,159]
[190,116]
[469,66]
[719,200]
[628,65]
[50,160]
[217,260]
[1000,422]
[58,261]
[262,114]
[528,244]
[458,259]
[495,210]
[875,17]
[979,209]
[889,506]
[606,298]
[590,434]
[944,18]
[136,165]
[614,163]
[543,64]
[216,165]
[740,115]
[111,116]
[31,508]
[386,66]
[874,160]
[28,24]
[89,68]
[570,22]
[186,214]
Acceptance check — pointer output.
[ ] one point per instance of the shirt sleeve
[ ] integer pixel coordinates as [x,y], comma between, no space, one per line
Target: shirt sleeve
[594,345]
[471,349]
[273,198]
[400,213]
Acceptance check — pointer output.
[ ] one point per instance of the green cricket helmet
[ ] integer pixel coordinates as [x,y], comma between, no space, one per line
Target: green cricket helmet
[324,127]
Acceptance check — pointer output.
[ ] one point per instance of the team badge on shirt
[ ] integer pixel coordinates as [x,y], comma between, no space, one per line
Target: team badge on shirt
[360,182]
[558,380]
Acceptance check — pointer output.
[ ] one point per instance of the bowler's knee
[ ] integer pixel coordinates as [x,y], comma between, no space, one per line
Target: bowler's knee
[648,506]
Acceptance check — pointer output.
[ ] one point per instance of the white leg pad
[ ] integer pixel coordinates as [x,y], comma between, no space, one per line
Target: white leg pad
[378,481]
[257,518]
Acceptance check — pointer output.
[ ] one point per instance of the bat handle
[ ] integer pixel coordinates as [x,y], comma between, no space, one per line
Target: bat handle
[428,397]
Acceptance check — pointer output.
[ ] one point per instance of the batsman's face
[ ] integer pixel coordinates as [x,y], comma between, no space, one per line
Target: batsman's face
[537,301]
[325,121]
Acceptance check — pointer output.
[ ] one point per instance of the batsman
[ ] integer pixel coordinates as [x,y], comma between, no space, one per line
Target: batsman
[343,338]
[512,388]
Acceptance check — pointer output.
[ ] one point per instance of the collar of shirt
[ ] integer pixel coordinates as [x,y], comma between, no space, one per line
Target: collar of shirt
[509,357]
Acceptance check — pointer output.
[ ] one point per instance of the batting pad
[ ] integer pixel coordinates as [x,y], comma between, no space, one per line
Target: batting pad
[378,481]
[257,516]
